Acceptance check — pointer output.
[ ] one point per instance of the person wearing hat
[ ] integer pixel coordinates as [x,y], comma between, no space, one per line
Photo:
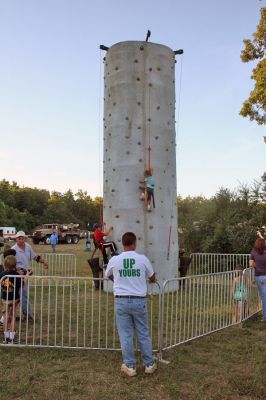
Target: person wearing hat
[24,254]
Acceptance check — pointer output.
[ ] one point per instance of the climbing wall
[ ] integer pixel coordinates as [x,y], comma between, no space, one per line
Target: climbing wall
[139,113]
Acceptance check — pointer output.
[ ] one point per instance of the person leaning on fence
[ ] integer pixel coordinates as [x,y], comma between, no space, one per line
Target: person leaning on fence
[11,284]
[240,295]
[129,272]
[98,237]
[258,261]
[24,254]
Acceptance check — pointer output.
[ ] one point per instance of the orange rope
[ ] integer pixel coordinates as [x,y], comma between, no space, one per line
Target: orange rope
[169,242]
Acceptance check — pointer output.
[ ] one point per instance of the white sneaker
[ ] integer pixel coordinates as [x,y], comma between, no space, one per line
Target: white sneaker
[150,369]
[128,371]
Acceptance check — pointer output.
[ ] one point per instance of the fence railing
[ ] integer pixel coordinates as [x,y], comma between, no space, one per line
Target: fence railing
[198,305]
[59,265]
[69,312]
[211,263]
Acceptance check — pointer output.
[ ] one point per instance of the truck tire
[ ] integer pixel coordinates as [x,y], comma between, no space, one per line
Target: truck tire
[68,240]
[36,241]
[47,240]
[75,239]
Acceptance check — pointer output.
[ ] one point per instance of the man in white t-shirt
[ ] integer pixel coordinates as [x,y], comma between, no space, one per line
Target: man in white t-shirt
[130,271]
[24,254]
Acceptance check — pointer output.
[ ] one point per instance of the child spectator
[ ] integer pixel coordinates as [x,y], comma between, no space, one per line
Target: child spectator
[7,251]
[10,295]
[240,296]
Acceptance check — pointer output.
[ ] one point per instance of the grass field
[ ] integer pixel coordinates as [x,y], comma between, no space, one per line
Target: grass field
[226,365]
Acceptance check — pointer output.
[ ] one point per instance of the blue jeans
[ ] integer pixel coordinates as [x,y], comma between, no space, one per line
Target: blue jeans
[131,315]
[25,302]
[261,282]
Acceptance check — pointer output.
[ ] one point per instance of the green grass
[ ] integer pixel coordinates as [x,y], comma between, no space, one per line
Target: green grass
[225,365]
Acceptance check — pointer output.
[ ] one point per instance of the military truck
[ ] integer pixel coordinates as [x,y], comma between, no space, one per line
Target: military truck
[67,233]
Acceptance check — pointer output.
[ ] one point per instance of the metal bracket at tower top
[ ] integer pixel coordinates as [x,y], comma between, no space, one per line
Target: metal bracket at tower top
[103,47]
[148,35]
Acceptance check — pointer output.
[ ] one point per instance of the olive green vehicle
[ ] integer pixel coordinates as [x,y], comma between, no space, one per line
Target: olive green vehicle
[66,233]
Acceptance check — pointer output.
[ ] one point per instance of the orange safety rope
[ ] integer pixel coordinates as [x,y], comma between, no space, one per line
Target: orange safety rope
[149,158]
[169,242]
[101,213]
[149,119]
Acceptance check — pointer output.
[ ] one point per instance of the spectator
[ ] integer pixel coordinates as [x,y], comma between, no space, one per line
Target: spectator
[129,271]
[240,295]
[7,252]
[258,261]
[10,296]
[184,263]
[98,237]
[24,254]
[54,240]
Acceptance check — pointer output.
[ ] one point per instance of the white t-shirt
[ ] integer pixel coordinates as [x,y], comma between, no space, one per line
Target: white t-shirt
[130,271]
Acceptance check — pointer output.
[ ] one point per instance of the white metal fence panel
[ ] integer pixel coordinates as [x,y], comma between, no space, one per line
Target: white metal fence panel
[59,265]
[211,263]
[198,305]
[70,313]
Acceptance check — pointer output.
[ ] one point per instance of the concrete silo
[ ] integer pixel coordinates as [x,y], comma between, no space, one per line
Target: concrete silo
[139,130]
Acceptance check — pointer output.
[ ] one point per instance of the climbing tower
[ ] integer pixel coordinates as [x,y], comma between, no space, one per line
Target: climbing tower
[139,133]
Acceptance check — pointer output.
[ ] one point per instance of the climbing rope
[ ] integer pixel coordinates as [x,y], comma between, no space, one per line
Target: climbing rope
[177,139]
[100,139]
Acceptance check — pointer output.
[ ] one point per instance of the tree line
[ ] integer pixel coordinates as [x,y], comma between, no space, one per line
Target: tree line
[254,51]
[25,208]
[224,223]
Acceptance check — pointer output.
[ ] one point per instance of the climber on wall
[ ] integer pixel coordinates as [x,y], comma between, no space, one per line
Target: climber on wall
[98,237]
[147,188]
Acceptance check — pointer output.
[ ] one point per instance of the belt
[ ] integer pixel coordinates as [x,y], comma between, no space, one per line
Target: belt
[129,297]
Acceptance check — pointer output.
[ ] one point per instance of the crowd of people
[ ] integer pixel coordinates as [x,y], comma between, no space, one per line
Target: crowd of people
[14,284]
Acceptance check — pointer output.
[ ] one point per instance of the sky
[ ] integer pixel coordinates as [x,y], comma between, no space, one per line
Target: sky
[51,89]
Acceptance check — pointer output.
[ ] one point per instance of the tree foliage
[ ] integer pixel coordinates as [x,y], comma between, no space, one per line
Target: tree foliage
[225,223]
[255,106]
[26,208]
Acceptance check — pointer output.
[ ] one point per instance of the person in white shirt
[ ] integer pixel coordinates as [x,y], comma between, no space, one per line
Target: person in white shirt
[129,272]
[24,254]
